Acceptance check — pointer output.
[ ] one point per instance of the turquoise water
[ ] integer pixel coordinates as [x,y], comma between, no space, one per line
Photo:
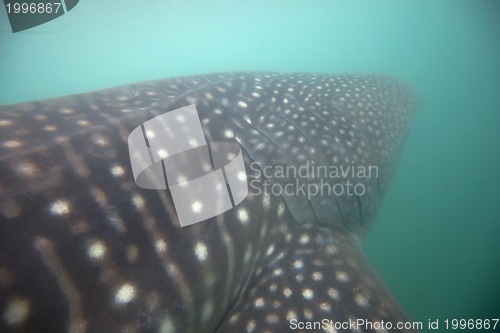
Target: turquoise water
[435,240]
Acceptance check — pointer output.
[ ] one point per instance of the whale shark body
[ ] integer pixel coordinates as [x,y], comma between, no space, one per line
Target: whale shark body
[84,249]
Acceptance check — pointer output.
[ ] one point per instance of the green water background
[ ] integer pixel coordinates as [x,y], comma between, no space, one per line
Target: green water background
[435,242]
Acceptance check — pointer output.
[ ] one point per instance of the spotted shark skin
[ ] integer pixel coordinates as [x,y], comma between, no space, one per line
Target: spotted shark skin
[84,249]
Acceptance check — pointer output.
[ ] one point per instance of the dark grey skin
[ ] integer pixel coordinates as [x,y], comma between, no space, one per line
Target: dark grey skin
[84,249]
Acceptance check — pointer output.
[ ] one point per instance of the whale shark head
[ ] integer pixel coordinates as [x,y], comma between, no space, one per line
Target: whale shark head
[84,248]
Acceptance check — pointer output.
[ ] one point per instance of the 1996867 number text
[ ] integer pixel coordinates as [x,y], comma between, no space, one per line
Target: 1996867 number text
[33,8]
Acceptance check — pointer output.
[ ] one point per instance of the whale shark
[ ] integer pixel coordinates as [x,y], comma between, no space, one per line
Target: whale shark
[83,248]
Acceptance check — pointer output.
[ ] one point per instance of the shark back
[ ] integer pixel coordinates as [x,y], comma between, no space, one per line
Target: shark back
[84,249]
